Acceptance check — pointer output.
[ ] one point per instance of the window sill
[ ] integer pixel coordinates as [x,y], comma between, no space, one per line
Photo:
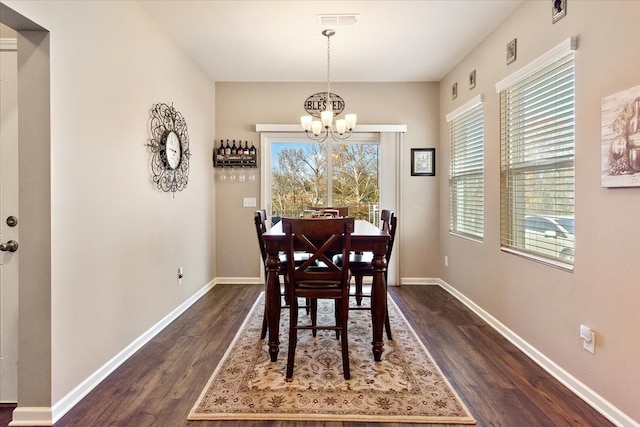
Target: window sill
[553,263]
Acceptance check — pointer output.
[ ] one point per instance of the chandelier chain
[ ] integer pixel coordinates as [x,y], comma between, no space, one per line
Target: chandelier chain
[328,68]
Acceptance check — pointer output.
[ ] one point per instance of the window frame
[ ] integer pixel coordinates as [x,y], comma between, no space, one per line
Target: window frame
[526,154]
[466,135]
[391,139]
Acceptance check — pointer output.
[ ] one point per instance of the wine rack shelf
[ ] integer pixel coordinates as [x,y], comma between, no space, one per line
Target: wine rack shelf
[230,155]
[230,161]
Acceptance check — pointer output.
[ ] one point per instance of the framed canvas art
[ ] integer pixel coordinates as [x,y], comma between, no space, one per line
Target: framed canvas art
[423,162]
[620,136]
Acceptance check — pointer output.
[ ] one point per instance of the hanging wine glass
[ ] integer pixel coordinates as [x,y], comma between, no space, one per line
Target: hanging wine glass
[222,175]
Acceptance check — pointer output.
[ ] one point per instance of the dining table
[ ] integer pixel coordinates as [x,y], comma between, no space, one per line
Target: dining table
[366,237]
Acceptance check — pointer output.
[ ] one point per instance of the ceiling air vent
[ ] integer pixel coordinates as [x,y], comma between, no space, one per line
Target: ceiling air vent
[337,20]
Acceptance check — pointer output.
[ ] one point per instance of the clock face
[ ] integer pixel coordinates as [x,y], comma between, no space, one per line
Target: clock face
[173,150]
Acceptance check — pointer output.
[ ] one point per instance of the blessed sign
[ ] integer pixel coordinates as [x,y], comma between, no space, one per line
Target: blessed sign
[317,103]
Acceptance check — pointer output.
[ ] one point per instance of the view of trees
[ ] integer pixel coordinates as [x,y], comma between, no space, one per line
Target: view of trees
[301,174]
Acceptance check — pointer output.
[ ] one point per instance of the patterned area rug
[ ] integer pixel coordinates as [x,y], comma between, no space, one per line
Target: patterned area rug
[406,386]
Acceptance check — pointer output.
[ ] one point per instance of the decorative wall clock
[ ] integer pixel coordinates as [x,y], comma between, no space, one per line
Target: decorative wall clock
[170,148]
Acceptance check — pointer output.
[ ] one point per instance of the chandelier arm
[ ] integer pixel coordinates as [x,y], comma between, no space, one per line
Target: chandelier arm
[342,137]
[320,138]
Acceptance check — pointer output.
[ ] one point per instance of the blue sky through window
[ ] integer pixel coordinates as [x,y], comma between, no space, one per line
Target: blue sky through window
[277,147]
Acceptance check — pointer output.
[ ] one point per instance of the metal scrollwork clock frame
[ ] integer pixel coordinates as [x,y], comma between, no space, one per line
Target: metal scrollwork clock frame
[169,146]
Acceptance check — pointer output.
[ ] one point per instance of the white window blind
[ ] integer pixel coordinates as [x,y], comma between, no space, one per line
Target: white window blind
[537,162]
[466,172]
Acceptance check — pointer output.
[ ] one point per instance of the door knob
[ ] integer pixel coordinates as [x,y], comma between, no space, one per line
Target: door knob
[10,246]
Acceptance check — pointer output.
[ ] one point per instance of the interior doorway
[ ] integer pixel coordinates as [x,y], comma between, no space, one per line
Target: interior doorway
[8,217]
[34,376]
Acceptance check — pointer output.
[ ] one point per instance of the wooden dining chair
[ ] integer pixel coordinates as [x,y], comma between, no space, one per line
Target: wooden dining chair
[319,277]
[260,220]
[361,266]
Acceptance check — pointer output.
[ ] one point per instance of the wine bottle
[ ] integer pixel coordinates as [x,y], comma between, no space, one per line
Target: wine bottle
[246,148]
[227,148]
[221,148]
[233,148]
[252,150]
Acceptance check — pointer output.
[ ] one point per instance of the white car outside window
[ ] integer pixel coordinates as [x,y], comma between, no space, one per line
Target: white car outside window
[552,237]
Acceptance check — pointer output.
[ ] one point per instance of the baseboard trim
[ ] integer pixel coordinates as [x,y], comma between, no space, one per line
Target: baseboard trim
[61,407]
[410,281]
[239,281]
[31,416]
[585,393]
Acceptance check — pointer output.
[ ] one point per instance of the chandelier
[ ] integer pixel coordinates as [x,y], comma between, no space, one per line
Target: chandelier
[320,130]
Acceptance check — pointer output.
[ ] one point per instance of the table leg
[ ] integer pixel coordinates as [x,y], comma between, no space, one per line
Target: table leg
[378,303]
[272,301]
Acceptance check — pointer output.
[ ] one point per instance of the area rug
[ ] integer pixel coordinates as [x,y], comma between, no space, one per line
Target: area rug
[406,386]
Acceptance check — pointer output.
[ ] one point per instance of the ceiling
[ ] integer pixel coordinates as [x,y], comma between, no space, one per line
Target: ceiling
[281,41]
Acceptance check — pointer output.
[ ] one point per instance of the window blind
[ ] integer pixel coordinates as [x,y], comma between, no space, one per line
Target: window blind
[537,162]
[466,173]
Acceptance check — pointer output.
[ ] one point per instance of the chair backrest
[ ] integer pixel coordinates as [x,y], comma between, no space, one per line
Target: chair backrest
[321,238]
[389,222]
[385,217]
[260,220]
[342,211]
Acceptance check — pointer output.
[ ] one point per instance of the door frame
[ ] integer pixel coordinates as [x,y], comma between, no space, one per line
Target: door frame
[9,282]
[390,137]
[34,147]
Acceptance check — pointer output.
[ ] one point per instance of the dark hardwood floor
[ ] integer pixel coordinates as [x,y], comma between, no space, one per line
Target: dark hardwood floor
[160,383]
[5,413]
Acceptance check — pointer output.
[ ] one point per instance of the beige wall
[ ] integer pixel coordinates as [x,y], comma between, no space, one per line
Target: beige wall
[240,106]
[116,241]
[545,305]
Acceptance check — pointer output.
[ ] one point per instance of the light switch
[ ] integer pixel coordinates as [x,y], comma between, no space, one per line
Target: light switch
[249,202]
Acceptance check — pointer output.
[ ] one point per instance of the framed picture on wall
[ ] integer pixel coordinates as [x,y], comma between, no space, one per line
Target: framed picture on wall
[472,79]
[620,147]
[558,10]
[512,47]
[423,162]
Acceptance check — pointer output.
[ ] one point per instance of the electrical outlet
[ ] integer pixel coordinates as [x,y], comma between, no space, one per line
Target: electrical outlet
[588,339]
[590,346]
[180,275]
[446,261]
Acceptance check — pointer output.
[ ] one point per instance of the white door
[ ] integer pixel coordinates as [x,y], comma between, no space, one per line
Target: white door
[8,227]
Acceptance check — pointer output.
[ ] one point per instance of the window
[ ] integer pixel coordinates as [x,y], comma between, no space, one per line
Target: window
[466,171]
[382,142]
[537,158]
[306,173]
